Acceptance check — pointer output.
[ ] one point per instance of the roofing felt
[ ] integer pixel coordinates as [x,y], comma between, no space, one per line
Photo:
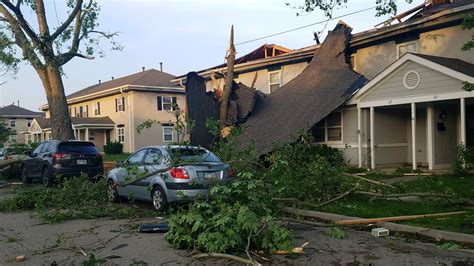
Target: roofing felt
[151,77]
[452,63]
[14,110]
[325,84]
[105,120]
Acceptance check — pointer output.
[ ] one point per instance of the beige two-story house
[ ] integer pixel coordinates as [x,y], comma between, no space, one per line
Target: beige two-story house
[18,119]
[111,111]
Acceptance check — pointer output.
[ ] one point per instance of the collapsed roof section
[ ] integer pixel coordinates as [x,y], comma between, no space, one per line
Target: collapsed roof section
[325,84]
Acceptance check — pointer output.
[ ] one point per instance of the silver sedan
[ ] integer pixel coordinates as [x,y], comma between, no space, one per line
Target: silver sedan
[165,174]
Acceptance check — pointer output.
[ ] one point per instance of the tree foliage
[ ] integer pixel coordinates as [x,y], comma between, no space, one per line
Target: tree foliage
[27,35]
[383,7]
[5,132]
[467,24]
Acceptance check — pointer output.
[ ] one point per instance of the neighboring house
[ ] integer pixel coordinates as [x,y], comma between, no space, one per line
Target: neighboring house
[19,120]
[413,111]
[112,110]
[266,69]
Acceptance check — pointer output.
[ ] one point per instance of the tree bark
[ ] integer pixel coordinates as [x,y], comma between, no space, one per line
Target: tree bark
[61,125]
[228,81]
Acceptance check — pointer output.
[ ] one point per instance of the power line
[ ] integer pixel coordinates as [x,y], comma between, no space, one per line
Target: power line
[306,26]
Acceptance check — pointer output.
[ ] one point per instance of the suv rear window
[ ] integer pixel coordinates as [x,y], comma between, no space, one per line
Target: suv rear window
[194,155]
[77,147]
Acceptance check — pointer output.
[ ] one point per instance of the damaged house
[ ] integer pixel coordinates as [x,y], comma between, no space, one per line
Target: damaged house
[387,97]
[411,111]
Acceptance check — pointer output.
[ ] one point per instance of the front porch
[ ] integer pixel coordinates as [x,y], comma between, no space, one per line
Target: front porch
[421,135]
[415,112]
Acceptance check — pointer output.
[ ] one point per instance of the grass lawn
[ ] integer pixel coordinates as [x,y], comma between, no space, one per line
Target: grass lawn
[458,186]
[115,157]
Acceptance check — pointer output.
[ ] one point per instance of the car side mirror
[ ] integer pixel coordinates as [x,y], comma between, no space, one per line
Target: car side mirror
[118,163]
[32,154]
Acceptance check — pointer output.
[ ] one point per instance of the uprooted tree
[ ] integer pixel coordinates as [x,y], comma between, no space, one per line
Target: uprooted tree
[50,47]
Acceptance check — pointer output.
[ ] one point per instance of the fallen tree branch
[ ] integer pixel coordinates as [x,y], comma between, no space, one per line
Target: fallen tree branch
[369,180]
[320,204]
[226,256]
[397,218]
[448,197]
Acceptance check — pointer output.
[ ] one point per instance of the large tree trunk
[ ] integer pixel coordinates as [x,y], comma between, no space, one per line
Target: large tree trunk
[61,126]
[228,81]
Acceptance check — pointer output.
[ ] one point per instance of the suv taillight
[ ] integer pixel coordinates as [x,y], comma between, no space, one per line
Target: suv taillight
[59,155]
[179,173]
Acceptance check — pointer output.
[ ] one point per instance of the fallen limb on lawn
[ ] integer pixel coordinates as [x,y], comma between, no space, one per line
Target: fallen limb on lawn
[438,235]
[322,203]
[226,256]
[397,218]
[449,197]
[369,180]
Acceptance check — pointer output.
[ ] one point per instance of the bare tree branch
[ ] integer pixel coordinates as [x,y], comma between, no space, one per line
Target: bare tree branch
[41,17]
[74,12]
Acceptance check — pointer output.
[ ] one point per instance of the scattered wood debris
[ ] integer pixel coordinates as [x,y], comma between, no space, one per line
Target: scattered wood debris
[397,218]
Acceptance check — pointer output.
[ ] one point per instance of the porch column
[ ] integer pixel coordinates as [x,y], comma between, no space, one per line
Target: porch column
[372,139]
[359,132]
[463,121]
[78,134]
[430,136]
[413,134]
[87,134]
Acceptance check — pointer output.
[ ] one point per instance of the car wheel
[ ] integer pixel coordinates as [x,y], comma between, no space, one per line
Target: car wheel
[112,192]
[158,198]
[24,175]
[47,177]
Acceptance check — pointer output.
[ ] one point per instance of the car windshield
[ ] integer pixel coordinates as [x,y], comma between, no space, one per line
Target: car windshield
[77,147]
[193,155]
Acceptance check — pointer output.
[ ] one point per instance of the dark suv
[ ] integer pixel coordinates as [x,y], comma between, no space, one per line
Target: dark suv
[65,158]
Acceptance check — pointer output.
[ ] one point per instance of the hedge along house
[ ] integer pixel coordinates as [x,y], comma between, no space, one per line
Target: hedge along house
[112,110]
[372,122]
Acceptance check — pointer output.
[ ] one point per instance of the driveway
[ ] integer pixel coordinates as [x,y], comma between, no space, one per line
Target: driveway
[118,243]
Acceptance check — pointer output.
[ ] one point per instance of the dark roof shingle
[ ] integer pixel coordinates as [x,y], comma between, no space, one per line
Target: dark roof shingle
[325,84]
[105,120]
[151,77]
[452,63]
[14,110]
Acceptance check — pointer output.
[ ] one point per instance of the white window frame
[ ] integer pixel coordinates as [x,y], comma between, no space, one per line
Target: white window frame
[270,80]
[96,108]
[165,134]
[29,122]
[121,134]
[407,43]
[13,138]
[326,130]
[12,123]
[120,104]
[77,111]
[171,107]
[84,111]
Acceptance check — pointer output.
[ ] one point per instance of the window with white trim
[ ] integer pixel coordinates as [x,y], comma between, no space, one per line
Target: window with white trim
[13,138]
[167,103]
[274,80]
[77,111]
[120,104]
[28,122]
[12,123]
[167,134]
[97,108]
[407,47]
[329,129]
[121,134]
[85,111]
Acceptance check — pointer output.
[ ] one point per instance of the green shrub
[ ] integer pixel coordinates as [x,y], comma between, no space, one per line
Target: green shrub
[113,147]
[464,160]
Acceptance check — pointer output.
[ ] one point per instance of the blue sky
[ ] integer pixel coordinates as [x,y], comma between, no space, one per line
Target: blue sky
[186,35]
